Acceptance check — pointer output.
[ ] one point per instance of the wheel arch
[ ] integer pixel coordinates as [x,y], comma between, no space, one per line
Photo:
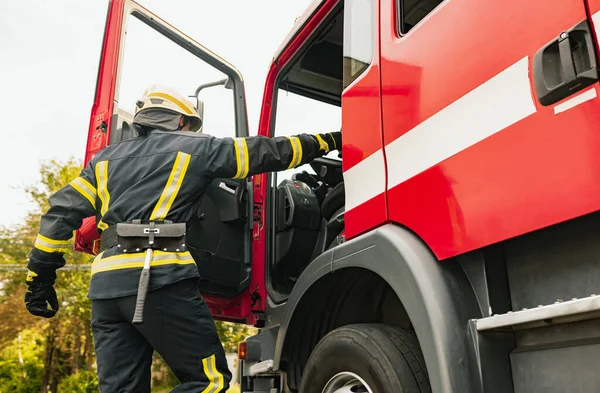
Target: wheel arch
[422,291]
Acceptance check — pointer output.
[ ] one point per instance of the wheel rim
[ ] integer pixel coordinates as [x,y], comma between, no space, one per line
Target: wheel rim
[347,382]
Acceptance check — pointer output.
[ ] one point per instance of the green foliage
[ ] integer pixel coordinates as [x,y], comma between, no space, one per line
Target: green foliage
[21,367]
[232,333]
[66,347]
[80,382]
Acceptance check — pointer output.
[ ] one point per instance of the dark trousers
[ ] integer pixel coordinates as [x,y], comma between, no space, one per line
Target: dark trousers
[177,324]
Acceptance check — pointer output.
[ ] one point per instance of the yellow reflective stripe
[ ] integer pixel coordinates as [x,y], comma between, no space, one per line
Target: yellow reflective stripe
[52,241]
[220,379]
[294,153]
[102,179]
[136,260]
[50,245]
[297,151]
[172,187]
[246,158]
[30,275]
[102,225]
[241,158]
[333,139]
[322,144]
[174,100]
[237,159]
[214,376]
[132,265]
[209,375]
[85,189]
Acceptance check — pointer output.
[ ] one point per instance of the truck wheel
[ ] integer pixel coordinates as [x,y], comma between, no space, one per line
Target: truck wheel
[369,358]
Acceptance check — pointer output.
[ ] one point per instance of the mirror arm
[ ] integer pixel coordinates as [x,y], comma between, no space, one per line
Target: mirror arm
[210,84]
[227,82]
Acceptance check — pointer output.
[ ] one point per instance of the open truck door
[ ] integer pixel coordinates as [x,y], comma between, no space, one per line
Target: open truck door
[139,50]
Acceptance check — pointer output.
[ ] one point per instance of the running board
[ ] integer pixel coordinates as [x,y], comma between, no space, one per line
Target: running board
[559,312]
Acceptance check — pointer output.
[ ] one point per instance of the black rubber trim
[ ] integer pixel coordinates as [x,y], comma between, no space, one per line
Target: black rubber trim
[437,296]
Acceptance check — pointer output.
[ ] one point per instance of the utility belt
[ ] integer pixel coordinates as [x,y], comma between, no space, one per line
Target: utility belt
[140,235]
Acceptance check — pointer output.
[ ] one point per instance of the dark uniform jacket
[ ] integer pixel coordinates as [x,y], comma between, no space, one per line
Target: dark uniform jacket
[157,177]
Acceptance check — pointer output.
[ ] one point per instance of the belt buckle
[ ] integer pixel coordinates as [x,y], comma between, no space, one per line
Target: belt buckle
[151,231]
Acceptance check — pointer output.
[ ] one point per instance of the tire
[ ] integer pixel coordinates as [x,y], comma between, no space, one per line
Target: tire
[386,359]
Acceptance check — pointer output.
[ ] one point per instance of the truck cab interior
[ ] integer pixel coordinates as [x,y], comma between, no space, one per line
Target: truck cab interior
[307,208]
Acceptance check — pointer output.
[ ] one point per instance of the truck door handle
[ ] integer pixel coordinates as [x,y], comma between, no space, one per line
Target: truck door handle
[566,58]
[565,65]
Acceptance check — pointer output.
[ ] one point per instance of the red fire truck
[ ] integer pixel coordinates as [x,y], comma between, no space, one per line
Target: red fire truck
[452,246]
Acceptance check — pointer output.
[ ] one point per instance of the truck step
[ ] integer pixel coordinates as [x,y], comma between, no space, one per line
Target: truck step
[559,312]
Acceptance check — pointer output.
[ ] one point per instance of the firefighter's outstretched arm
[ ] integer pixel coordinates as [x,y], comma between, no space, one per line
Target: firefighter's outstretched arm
[68,207]
[239,158]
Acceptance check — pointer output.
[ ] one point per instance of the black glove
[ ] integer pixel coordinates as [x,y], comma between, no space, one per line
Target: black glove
[40,281]
[39,296]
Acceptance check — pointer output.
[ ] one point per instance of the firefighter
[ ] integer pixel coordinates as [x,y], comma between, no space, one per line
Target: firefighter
[133,188]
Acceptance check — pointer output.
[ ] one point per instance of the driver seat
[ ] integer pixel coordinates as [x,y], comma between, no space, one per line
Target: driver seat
[333,201]
[332,212]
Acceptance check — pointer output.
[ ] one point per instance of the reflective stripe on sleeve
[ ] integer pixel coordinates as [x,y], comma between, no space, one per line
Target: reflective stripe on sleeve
[333,139]
[172,187]
[241,157]
[50,245]
[85,189]
[30,275]
[214,376]
[102,225]
[322,144]
[297,151]
[136,260]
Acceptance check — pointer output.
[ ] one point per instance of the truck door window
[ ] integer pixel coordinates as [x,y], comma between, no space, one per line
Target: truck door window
[358,38]
[297,114]
[410,12]
[151,58]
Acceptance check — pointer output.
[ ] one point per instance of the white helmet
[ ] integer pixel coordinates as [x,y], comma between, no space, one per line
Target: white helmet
[161,97]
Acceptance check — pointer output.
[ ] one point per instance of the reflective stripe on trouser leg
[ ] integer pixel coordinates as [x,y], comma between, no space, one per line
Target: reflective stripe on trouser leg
[215,377]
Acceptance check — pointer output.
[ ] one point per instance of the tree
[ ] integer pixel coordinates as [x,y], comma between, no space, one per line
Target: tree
[21,367]
[233,333]
[67,343]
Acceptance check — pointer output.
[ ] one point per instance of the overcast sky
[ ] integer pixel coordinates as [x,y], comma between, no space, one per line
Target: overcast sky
[49,54]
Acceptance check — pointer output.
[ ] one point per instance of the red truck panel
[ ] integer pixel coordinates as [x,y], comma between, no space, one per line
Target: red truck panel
[472,157]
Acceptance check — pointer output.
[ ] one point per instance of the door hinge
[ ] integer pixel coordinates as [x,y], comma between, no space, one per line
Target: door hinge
[257,222]
[103,127]
[254,297]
